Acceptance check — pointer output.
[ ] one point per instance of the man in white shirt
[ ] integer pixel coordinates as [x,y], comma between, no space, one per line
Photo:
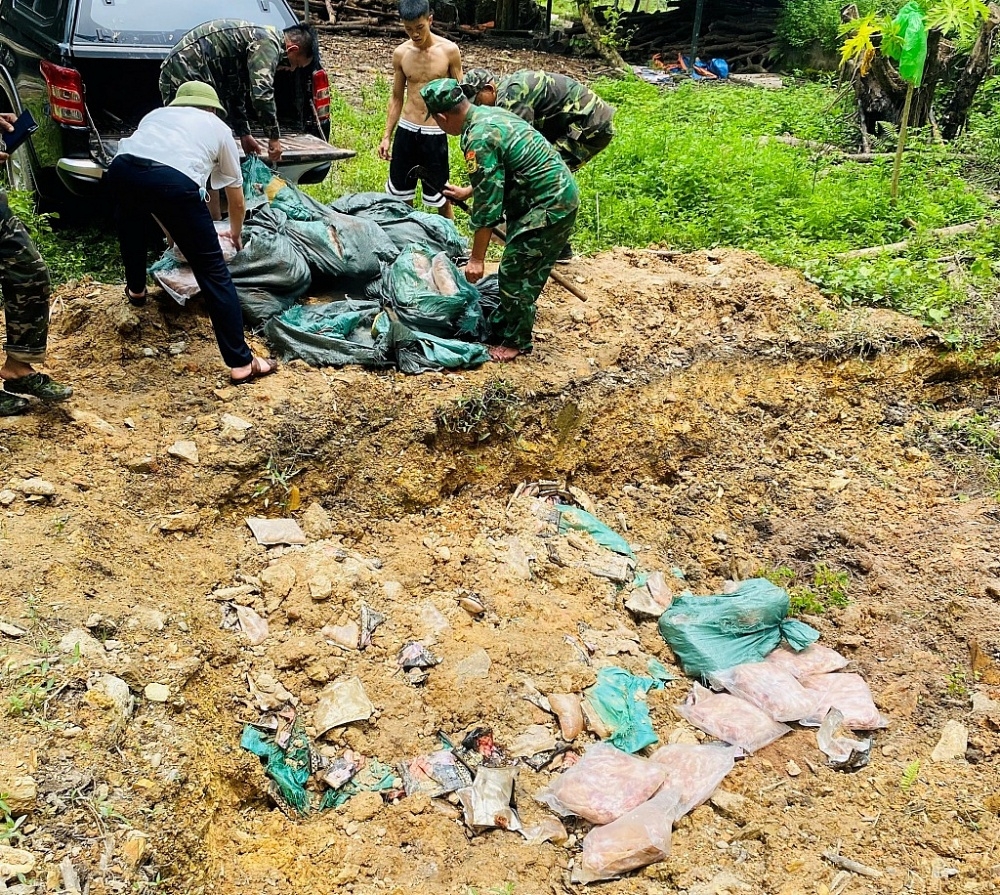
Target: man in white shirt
[162,170]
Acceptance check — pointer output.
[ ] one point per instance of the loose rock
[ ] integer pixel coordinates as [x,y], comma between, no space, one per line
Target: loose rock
[157,692]
[37,488]
[15,862]
[316,522]
[953,743]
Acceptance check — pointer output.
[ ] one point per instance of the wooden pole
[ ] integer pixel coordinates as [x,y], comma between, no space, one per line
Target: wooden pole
[897,164]
[696,31]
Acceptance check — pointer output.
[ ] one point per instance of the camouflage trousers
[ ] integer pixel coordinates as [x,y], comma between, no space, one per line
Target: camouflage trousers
[527,260]
[577,152]
[24,279]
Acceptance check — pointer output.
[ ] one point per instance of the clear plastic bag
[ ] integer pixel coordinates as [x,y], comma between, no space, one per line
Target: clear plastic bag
[730,719]
[850,694]
[603,785]
[694,772]
[773,690]
[638,838]
[815,659]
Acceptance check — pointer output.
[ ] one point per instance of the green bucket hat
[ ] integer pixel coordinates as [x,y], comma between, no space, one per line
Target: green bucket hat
[475,80]
[441,95]
[197,93]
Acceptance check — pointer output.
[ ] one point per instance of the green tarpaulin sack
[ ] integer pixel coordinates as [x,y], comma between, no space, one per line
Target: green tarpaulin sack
[403,224]
[712,633]
[431,294]
[573,518]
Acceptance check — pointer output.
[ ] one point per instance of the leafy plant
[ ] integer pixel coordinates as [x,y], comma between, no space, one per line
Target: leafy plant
[481,413]
[909,775]
[826,589]
[10,827]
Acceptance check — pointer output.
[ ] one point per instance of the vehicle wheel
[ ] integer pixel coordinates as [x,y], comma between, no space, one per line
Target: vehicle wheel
[18,174]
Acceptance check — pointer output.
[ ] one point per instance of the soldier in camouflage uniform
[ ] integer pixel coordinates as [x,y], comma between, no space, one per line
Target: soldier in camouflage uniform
[515,174]
[24,279]
[570,116]
[239,60]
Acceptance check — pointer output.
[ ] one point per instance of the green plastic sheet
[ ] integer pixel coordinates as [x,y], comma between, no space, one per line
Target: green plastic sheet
[908,45]
[712,633]
[289,770]
[619,698]
[574,519]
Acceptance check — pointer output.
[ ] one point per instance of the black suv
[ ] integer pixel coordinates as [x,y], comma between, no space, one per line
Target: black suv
[89,71]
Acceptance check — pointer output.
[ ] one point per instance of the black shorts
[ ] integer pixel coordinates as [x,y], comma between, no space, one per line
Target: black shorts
[410,148]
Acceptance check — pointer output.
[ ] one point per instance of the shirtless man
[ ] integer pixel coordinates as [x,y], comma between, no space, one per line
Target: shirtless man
[423,58]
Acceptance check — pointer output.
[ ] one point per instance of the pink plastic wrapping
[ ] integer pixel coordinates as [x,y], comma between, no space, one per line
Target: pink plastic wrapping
[769,687]
[850,694]
[603,785]
[693,772]
[636,839]
[815,659]
[730,719]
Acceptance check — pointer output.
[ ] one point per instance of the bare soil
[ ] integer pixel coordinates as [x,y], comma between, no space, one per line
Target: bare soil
[718,412]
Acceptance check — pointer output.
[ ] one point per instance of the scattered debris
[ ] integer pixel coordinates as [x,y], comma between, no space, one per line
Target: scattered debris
[618,699]
[345,636]
[475,665]
[340,703]
[487,803]
[252,625]
[566,707]
[36,487]
[436,774]
[844,751]
[370,620]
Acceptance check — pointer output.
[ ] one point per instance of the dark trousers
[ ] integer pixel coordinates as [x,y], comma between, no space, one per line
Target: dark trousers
[143,188]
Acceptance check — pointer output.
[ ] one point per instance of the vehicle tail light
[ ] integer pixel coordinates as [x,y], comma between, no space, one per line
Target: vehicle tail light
[65,93]
[321,94]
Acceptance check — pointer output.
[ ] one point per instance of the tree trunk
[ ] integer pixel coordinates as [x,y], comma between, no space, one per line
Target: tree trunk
[507,15]
[956,112]
[602,46]
[881,92]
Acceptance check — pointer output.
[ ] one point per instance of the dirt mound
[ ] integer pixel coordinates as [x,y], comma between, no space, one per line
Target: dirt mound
[718,412]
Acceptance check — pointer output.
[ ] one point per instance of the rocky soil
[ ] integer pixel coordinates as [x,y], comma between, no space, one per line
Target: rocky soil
[716,411]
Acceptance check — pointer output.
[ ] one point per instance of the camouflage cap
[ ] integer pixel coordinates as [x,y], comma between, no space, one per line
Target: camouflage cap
[441,95]
[475,80]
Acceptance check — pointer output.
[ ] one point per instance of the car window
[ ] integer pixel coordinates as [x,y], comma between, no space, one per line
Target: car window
[42,12]
[164,23]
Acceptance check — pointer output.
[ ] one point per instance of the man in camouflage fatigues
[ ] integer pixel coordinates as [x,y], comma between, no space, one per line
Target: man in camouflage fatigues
[515,174]
[239,59]
[24,279]
[574,119]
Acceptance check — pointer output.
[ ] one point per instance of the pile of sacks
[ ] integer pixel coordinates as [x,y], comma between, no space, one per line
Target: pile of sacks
[406,304]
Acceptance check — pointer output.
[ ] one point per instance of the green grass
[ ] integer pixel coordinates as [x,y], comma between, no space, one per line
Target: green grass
[687,169]
[826,588]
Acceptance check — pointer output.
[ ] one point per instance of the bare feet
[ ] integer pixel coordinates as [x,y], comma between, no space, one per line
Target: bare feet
[502,354]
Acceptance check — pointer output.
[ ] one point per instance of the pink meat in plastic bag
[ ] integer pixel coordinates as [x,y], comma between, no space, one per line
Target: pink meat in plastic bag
[730,719]
[814,659]
[850,694]
[693,771]
[772,689]
[603,785]
[636,839]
